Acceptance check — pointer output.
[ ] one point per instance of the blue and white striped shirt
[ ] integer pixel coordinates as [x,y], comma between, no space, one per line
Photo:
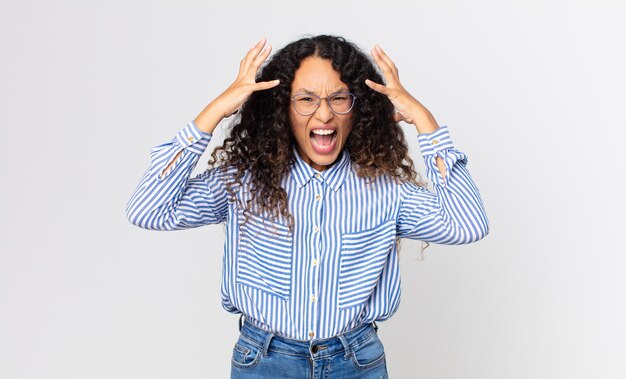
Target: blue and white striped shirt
[339,266]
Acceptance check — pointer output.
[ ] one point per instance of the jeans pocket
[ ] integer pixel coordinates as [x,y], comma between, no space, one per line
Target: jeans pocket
[245,354]
[369,354]
[264,256]
[363,257]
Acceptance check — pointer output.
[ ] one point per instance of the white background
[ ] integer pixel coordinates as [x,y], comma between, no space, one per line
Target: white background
[533,92]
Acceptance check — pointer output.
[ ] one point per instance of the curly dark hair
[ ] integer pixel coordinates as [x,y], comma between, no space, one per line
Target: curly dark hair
[261,142]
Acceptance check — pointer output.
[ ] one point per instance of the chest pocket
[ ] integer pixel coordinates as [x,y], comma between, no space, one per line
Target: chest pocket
[264,257]
[363,257]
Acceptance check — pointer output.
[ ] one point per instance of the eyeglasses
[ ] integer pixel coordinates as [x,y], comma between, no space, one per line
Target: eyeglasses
[307,104]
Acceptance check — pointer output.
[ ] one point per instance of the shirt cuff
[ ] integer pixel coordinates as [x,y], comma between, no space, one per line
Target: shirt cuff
[434,142]
[193,139]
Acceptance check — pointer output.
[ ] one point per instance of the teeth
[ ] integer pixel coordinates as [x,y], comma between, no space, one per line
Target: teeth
[323,132]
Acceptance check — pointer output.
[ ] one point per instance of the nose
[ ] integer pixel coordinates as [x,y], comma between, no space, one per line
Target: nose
[323,112]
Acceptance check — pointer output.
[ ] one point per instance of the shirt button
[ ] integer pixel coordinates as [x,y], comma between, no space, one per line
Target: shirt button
[318,197]
[314,262]
[313,298]
[311,334]
[435,141]
[316,229]
[190,138]
[317,175]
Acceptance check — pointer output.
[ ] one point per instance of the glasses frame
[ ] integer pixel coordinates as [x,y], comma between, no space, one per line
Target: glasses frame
[319,102]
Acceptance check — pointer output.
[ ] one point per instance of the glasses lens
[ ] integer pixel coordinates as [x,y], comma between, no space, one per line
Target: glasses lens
[306,104]
[342,102]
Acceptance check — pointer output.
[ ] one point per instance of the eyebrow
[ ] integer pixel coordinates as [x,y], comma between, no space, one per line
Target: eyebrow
[340,89]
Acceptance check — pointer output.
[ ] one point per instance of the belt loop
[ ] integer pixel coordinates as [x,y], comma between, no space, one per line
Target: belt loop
[240,323]
[346,346]
[266,344]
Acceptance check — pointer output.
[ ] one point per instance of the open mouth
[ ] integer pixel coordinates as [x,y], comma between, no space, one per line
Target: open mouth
[323,140]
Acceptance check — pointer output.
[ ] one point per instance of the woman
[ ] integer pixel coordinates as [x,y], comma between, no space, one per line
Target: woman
[315,186]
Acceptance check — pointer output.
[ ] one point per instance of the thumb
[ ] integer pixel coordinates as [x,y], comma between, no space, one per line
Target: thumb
[266,85]
[376,87]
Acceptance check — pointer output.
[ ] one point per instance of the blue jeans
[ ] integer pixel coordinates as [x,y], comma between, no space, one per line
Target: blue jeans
[357,353]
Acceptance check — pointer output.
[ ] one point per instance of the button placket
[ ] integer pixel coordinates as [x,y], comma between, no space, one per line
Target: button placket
[315,242]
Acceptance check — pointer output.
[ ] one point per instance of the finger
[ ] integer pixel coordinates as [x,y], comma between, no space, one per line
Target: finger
[266,85]
[248,53]
[377,87]
[243,64]
[386,58]
[386,70]
[252,53]
[261,58]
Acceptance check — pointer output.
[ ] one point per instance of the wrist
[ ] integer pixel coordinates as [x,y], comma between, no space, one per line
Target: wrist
[424,121]
[209,118]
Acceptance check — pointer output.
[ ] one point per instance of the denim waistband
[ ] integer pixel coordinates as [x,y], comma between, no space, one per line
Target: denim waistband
[269,341]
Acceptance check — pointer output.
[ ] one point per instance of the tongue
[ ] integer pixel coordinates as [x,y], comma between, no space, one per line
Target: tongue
[323,140]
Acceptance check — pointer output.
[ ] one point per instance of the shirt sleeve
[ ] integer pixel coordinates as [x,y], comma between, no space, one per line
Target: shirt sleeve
[454,213]
[172,200]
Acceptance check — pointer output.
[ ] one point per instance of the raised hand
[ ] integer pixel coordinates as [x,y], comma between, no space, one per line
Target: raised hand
[237,93]
[229,101]
[408,108]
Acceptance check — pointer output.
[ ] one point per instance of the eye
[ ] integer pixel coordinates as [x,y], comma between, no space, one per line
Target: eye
[305,99]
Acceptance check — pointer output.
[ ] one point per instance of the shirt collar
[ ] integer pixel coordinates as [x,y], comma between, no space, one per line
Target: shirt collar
[334,176]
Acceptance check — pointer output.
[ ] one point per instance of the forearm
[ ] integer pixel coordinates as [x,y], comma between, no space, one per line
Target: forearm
[458,211]
[423,120]
[153,204]
[442,167]
[425,123]
[209,118]
[454,213]
[206,122]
